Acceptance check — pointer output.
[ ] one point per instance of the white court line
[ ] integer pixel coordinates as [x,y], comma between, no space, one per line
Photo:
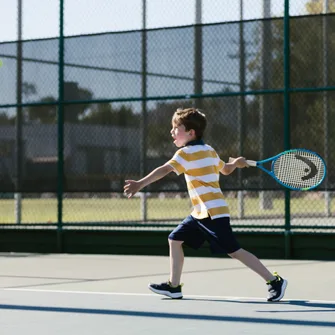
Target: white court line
[155,295]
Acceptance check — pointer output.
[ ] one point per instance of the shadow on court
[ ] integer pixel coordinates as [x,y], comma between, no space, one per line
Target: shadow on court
[199,317]
[66,280]
[310,305]
[303,303]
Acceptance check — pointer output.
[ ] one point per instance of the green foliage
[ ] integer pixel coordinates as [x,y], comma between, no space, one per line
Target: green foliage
[306,70]
[46,114]
[5,120]
[107,114]
[317,6]
[72,92]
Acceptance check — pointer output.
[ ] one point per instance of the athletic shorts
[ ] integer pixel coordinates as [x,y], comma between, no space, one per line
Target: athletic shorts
[194,232]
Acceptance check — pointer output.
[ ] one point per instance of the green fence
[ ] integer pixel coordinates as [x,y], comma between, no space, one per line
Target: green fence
[80,114]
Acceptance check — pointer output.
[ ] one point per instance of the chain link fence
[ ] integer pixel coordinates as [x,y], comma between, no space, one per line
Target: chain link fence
[87,102]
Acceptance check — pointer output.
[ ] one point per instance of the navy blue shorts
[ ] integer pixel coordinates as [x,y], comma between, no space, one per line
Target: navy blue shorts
[194,232]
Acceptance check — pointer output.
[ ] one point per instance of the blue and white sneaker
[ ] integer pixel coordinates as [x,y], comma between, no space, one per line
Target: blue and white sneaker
[167,289]
[276,288]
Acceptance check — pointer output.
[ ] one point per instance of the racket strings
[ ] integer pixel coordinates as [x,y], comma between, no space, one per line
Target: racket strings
[299,169]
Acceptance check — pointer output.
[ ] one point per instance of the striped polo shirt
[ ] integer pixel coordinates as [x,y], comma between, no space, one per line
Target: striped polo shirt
[201,166]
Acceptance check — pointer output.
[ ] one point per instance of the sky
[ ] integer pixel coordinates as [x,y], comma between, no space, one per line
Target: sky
[41,17]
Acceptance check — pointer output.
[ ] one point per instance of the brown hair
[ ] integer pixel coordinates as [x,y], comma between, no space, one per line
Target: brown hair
[191,118]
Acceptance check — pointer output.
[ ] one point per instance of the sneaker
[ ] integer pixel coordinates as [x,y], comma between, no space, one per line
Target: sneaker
[167,289]
[276,288]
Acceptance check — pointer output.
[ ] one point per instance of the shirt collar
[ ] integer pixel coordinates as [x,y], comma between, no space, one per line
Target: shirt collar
[195,142]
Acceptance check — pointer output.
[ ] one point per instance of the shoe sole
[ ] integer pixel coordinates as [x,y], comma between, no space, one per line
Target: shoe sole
[282,291]
[177,295]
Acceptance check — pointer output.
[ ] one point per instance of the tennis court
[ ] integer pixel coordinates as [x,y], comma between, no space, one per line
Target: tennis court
[87,103]
[85,294]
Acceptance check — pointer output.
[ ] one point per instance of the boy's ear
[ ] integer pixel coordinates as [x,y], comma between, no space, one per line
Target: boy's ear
[192,132]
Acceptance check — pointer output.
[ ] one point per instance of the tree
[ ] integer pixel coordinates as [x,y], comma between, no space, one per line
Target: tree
[316,6]
[72,92]
[28,89]
[46,114]
[306,70]
[5,120]
[106,114]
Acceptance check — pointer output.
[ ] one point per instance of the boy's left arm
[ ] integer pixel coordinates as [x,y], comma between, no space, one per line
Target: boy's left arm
[234,163]
[133,186]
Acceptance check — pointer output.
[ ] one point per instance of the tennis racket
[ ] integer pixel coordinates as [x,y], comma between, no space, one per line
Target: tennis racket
[296,169]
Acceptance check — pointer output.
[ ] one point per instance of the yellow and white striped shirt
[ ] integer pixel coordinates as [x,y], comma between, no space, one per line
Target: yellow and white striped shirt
[201,165]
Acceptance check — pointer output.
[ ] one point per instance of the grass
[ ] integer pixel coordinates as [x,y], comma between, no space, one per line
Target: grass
[114,209]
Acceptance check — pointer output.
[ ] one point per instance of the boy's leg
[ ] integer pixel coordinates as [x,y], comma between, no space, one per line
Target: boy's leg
[252,262]
[221,238]
[189,234]
[277,285]
[172,288]
[176,261]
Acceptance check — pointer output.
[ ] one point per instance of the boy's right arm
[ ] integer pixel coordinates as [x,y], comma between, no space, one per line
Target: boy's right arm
[234,163]
[133,186]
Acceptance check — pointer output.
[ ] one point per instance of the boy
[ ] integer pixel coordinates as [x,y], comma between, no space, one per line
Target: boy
[209,219]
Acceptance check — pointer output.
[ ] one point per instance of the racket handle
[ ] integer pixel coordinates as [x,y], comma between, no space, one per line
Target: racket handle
[251,163]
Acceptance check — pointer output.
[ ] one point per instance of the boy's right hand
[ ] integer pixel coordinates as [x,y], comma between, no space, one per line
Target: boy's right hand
[239,162]
[131,188]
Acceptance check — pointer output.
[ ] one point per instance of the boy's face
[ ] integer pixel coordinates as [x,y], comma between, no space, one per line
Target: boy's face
[180,135]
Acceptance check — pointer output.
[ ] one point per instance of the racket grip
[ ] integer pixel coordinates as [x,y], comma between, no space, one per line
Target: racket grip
[251,163]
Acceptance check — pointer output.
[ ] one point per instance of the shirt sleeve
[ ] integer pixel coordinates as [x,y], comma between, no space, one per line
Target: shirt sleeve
[177,163]
[221,164]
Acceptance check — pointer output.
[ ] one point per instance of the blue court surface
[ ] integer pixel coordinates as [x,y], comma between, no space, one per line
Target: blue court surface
[93,294]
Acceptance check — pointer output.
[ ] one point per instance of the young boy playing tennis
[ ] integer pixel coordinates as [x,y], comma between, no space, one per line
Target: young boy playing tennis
[209,219]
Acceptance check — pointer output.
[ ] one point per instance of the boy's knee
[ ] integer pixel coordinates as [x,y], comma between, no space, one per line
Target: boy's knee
[232,255]
[236,253]
[175,243]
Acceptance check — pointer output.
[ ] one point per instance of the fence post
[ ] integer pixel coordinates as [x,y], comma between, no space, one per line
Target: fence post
[60,127]
[241,112]
[326,108]
[143,165]
[265,110]
[18,121]
[287,128]
[198,77]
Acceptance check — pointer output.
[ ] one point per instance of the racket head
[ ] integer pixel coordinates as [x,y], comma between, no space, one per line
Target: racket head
[299,169]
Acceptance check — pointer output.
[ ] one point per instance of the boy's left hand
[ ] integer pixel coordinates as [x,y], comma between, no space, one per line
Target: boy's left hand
[131,187]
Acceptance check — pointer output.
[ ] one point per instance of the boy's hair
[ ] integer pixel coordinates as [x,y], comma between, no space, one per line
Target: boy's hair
[191,118]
